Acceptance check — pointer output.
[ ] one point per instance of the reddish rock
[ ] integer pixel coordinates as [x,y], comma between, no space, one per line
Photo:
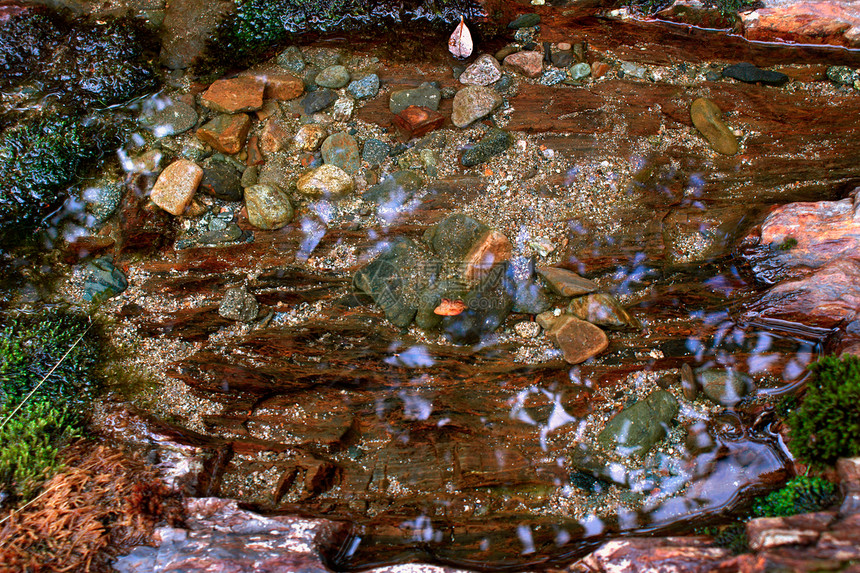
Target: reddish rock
[814,73]
[218,536]
[823,231]
[143,227]
[491,249]
[234,95]
[274,136]
[798,238]
[599,69]
[827,299]
[769,532]
[577,339]
[805,22]
[529,64]
[255,156]
[415,121]
[226,133]
[283,87]
[83,247]
[635,555]
[176,186]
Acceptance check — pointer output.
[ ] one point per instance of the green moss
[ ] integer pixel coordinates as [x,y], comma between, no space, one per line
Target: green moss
[31,347]
[38,161]
[31,438]
[801,494]
[788,244]
[826,426]
[258,25]
[29,444]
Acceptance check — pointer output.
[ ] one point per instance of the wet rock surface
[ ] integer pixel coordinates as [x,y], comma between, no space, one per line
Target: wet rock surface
[334,403]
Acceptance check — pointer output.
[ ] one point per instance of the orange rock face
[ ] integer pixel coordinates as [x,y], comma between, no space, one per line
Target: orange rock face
[234,95]
[176,186]
[490,250]
[806,22]
[226,133]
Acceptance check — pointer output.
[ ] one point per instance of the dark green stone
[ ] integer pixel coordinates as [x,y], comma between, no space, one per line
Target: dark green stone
[638,428]
[453,237]
[496,141]
[525,21]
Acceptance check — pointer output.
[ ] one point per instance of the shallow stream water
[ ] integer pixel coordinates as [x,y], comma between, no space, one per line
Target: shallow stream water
[477,455]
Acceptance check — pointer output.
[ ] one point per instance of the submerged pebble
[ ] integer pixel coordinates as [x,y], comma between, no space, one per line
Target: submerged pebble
[708,119]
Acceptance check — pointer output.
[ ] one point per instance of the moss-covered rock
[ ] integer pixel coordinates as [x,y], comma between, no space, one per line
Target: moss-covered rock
[826,426]
[38,161]
[257,25]
[61,349]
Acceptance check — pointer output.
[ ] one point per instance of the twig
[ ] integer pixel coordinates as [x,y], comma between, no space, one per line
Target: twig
[42,381]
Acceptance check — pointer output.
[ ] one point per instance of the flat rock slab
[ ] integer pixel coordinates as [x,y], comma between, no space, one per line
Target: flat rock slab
[565,282]
[578,340]
[234,95]
[805,22]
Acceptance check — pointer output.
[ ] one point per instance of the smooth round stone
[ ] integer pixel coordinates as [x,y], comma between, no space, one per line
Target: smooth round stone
[484,71]
[527,63]
[268,207]
[603,310]
[333,77]
[365,87]
[292,59]
[318,100]
[325,181]
[842,75]
[525,21]
[341,149]
[579,71]
[310,137]
[578,340]
[527,329]
[472,103]
[725,387]
[425,95]
[708,119]
[506,51]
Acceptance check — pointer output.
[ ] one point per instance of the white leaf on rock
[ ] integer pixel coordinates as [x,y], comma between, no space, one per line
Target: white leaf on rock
[460,42]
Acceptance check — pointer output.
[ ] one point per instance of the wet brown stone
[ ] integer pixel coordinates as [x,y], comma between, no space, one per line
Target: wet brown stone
[226,133]
[599,69]
[176,186]
[579,340]
[234,95]
[603,310]
[708,119]
[416,121]
[274,136]
[143,227]
[255,156]
[527,63]
[689,384]
[565,282]
[491,249]
[696,13]
[87,246]
[283,87]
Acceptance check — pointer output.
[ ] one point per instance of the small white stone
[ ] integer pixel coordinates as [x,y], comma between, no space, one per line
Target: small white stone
[527,329]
